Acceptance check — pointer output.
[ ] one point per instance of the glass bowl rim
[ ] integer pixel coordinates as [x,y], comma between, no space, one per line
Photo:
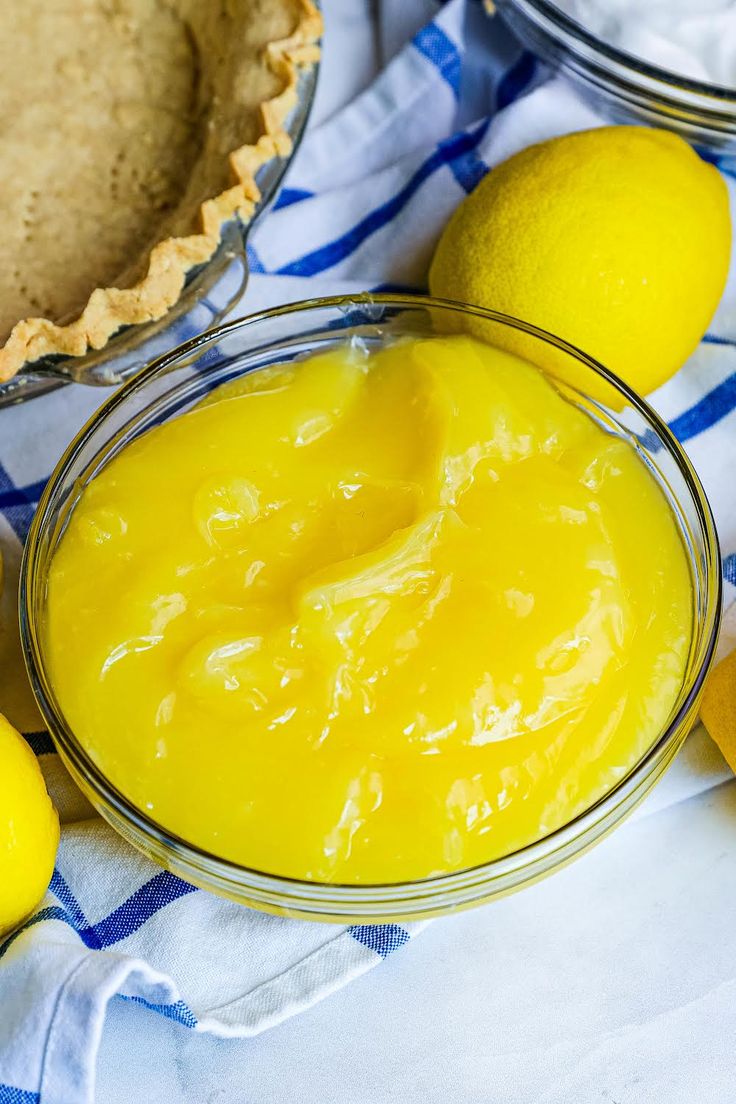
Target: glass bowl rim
[723,94]
[324,898]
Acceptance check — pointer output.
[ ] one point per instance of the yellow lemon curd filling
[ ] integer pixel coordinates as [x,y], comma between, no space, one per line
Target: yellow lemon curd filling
[371,617]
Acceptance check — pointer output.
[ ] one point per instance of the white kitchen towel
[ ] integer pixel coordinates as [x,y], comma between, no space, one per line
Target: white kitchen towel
[366,199]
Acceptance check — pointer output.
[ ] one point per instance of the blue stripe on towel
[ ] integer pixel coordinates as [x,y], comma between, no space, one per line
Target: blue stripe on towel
[327,256]
[709,410]
[160,891]
[179,1011]
[11,1095]
[516,80]
[287,196]
[381,938]
[255,264]
[433,44]
[18,503]
[714,339]
[469,170]
[10,495]
[62,892]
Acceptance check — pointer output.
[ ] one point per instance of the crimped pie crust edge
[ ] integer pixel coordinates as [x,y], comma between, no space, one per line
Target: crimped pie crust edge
[109,309]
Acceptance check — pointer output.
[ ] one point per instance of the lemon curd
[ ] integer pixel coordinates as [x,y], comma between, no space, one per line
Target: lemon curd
[370,617]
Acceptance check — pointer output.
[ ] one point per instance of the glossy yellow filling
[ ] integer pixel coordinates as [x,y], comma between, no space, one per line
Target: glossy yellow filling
[365,618]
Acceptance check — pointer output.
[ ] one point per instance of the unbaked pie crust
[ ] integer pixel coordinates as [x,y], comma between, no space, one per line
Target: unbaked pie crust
[130,131]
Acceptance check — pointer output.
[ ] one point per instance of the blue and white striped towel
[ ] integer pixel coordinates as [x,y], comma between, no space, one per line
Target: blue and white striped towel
[367,198]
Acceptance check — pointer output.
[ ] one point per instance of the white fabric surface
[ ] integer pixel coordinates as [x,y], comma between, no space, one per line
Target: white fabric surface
[213,953]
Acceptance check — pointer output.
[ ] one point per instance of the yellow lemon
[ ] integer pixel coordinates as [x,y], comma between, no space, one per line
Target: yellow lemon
[29,829]
[718,709]
[615,239]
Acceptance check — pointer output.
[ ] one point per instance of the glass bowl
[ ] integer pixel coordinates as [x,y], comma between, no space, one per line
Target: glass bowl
[624,87]
[183,377]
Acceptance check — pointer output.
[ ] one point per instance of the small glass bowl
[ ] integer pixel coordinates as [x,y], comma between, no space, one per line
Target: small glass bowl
[182,378]
[624,87]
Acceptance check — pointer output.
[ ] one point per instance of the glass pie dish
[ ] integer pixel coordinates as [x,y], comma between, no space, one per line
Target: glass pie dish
[182,378]
[625,88]
[211,290]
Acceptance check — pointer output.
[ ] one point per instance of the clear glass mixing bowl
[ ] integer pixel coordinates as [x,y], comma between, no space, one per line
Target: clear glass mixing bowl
[626,88]
[179,380]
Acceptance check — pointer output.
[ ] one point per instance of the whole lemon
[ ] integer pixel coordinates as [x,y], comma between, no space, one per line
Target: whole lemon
[29,829]
[616,239]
